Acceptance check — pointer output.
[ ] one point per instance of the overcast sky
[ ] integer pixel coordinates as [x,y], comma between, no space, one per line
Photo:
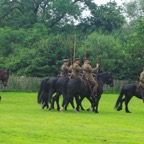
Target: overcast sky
[99,2]
[119,2]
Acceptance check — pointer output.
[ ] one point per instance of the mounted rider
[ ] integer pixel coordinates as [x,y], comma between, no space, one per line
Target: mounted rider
[141,79]
[76,69]
[64,68]
[88,74]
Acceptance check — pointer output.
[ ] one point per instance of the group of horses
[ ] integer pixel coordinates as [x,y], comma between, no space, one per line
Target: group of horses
[70,89]
[53,87]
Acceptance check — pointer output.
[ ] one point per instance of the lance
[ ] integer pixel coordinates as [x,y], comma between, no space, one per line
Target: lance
[74,47]
[71,59]
[97,59]
[85,50]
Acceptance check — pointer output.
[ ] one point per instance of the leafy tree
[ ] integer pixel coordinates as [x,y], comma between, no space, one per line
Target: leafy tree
[132,38]
[19,13]
[36,35]
[107,17]
[103,49]
[134,9]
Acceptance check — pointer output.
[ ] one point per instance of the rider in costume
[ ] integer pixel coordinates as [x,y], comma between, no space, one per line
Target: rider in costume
[141,79]
[88,74]
[76,69]
[64,68]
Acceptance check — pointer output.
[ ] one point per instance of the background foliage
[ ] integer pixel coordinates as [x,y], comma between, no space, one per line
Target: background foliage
[35,36]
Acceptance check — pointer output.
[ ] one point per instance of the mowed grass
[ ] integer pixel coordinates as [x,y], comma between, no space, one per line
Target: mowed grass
[22,121]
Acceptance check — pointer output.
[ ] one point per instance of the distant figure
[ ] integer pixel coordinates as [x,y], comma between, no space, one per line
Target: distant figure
[141,79]
[0,98]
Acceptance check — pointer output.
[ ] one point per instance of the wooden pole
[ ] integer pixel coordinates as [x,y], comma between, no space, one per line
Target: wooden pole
[74,47]
[97,59]
[85,55]
[71,58]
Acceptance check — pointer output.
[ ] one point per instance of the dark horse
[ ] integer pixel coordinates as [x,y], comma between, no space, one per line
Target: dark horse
[4,75]
[76,88]
[61,89]
[51,86]
[41,92]
[47,89]
[127,92]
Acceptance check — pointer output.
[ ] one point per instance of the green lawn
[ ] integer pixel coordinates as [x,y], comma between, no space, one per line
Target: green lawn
[22,121]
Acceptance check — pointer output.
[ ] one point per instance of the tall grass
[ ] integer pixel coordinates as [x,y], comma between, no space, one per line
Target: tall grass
[22,121]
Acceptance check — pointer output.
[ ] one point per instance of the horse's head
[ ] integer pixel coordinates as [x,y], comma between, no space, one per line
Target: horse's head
[4,75]
[107,78]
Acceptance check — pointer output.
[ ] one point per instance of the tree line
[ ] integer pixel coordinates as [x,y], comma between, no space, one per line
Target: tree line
[36,35]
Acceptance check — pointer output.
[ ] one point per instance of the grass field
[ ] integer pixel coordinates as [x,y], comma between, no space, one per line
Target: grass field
[22,121]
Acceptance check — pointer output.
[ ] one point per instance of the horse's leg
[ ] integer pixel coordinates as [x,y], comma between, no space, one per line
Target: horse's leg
[63,103]
[120,105]
[80,102]
[98,97]
[66,101]
[66,105]
[51,92]
[92,101]
[77,102]
[57,102]
[45,104]
[55,98]
[128,98]
[45,101]
[52,103]
[96,105]
[72,104]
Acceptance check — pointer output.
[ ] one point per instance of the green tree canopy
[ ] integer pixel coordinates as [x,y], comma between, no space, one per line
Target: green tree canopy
[36,35]
[106,17]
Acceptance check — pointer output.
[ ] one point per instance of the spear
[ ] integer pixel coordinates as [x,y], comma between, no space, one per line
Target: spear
[74,46]
[85,50]
[71,59]
[97,60]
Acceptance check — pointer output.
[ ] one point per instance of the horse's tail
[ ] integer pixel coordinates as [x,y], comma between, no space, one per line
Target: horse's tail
[41,91]
[119,99]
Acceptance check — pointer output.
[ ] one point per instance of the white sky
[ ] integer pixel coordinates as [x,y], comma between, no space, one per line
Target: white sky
[99,2]
[119,2]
